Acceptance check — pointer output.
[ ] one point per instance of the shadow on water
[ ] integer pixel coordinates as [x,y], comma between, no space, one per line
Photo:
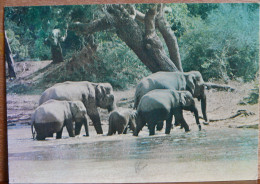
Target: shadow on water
[206,145]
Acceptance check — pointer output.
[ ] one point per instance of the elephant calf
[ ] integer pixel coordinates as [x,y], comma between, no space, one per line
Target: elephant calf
[161,104]
[53,115]
[120,119]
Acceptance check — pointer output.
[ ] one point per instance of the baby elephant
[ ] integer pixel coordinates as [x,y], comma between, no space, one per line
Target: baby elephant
[120,119]
[161,104]
[53,115]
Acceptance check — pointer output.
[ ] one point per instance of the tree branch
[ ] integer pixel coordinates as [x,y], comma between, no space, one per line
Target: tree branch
[140,16]
[153,43]
[169,37]
[210,85]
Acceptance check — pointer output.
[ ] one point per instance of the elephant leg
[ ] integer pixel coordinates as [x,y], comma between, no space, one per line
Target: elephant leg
[151,127]
[110,130]
[168,125]
[179,117]
[70,129]
[40,137]
[139,127]
[125,131]
[185,125]
[85,122]
[204,107]
[78,126]
[159,126]
[197,117]
[94,116]
[59,134]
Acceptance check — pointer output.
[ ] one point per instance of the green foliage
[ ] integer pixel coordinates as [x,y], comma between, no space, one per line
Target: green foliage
[20,51]
[219,40]
[118,65]
[201,9]
[179,18]
[225,45]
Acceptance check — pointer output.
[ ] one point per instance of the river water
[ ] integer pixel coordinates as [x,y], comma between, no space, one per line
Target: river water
[207,155]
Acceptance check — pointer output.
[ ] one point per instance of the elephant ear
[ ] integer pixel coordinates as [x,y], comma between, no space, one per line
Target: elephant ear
[191,83]
[182,99]
[73,108]
[77,108]
[100,92]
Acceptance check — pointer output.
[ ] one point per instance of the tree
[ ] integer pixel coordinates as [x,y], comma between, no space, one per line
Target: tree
[138,31]
[9,59]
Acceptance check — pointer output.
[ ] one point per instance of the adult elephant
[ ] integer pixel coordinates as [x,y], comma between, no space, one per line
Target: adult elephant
[162,104]
[92,95]
[53,115]
[190,81]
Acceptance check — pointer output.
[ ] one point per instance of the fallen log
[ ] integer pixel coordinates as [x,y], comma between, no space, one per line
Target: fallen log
[219,87]
[239,112]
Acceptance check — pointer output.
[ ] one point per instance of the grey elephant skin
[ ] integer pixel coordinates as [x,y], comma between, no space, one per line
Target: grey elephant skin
[120,120]
[53,115]
[92,95]
[162,104]
[190,81]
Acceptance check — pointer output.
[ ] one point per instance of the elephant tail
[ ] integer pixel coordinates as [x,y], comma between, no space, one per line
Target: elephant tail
[137,98]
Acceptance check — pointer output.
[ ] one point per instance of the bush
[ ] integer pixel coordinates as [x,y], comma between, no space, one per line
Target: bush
[225,46]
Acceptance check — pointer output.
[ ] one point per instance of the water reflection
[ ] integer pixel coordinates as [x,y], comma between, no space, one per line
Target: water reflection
[206,145]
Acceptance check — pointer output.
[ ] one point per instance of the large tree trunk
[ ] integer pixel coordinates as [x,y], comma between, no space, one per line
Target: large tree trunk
[9,59]
[56,53]
[145,43]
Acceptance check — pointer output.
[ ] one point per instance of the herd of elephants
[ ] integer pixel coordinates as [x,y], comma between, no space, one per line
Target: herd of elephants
[158,98]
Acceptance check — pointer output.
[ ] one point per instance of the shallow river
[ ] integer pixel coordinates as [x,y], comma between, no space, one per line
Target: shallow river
[211,154]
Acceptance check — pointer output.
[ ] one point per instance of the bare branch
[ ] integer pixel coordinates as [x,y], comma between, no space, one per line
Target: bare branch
[131,10]
[140,16]
[210,85]
[91,27]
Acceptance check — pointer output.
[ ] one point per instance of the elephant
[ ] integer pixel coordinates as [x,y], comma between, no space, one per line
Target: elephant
[53,115]
[191,81]
[162,104]
[92,95]
[120,119]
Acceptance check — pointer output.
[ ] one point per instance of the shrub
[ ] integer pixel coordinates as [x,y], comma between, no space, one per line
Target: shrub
[225,46]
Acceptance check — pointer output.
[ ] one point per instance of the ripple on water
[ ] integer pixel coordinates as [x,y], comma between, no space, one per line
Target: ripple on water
[205,145]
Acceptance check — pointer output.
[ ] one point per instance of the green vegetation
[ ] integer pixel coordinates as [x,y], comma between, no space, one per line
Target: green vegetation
[219,40]
[225,45]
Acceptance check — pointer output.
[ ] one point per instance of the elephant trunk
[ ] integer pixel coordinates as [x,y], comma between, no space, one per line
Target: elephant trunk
[111,107]
[204,107]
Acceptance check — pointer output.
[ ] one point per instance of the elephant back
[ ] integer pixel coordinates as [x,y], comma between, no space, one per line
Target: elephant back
[159,80]
[67,91]
[52,111]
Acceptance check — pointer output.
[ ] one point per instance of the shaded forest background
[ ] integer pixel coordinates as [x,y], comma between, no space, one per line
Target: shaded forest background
[219,40]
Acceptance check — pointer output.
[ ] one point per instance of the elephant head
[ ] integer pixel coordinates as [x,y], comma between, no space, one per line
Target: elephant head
[195,84]
[105,96]
[78,109]
[186,100]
